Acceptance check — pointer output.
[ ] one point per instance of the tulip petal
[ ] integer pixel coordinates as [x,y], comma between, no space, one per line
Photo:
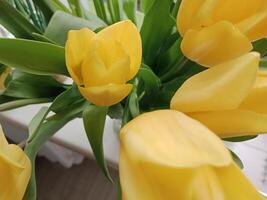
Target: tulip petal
[256,100]
[222,87]
[161,152]
[195,15]
[15,170]
[106,95]
[201,13]
[127,34]
[144,180]
[77,45]
[147,136]
[254,27]
[98,70]
[236,185]
[236,11]
[233,123]
[215,44]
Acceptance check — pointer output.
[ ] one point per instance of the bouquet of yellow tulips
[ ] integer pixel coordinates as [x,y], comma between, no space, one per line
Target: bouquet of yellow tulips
[181,75]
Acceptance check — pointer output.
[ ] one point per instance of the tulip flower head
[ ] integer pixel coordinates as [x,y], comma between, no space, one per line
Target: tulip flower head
[15,170]
[215,31]
[167,155]
[228,98]
[102,63]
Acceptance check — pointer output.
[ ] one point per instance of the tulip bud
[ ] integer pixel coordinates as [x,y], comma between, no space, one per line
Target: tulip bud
[102,63]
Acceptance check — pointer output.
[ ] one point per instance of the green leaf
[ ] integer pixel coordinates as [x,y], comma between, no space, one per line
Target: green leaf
[151,84]
[23,85]
[16,103]
[169,55]
[15,22]
[241,138]
[61,23]
[260,46]
[114,10]
[153,35]
[237,159]
[100,9]
[66,99]
[46,8]
[129,7]
[42,38]
[94,118]
[36,122]
[134,103]
[32,56]
[115,111]
[146,5]
[73,109]
[46,131]
[76,8]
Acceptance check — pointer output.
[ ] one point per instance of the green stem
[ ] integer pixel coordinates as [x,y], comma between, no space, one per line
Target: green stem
[176,8]
[44,134]
[175,70]
[23,102]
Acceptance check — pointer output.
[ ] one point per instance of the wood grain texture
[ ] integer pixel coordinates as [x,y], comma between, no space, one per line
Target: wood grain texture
[81,182]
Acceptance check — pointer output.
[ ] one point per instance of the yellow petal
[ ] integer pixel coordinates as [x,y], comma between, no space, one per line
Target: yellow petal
[221,87]
[15,170]
[202,13]
[106,95]
[215,44]
[147,136]
[98,70]
[150,181]
[254,27]
[236,185]
[195,15]
[256,100]
[161,153]
[238,10]
[77,45]
[233,123]
[206,185]
[127,34]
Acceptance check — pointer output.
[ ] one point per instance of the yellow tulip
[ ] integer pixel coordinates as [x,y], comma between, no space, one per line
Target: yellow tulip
[102,63]
[15,170]
[3,77]
[228,98]
[165,155]
[215,31]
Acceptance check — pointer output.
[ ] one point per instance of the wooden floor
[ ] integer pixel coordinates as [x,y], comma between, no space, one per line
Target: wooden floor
[81,182]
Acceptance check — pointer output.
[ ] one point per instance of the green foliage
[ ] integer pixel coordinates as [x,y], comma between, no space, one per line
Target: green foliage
[32,56]
[29,86]
[114,8]
[261,46]
[42,128]
[241,138]
[94,118]
[129,7]
[61,23]
[15,22]
[237,160]
[153,35]
[100,10]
